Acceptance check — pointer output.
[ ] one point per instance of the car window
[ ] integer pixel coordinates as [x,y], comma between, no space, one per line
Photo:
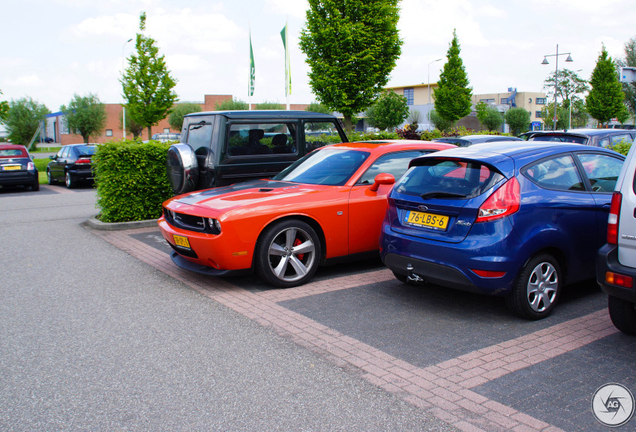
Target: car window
[319,134]
[8,153]
[555,173]
[395,164]
[247,139]
[601,170]
[621,138]
[559,138]
[199,135]
[440,178]
[85,150]
[326,167]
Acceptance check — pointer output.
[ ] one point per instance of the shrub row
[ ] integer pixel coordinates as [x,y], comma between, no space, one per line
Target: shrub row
[131,180]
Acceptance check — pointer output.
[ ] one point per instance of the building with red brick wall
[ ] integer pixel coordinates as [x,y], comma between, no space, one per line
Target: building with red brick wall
[56,127]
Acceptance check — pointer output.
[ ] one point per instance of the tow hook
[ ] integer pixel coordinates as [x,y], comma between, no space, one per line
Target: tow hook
[412,277]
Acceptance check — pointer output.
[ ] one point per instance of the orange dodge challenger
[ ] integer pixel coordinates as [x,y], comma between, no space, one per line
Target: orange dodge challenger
[324,207]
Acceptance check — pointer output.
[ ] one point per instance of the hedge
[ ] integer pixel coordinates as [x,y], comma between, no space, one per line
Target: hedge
[131,180]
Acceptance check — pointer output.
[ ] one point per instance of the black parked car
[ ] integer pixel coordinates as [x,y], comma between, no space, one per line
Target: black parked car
[468,140]
[17,167]
[606,138]
[72,164]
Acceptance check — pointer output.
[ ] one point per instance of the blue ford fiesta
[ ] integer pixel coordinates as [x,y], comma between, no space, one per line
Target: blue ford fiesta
[513,219]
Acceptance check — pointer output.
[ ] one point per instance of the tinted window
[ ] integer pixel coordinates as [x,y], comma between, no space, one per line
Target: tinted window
[199,135]
[84,150]
[555,173]
[559,138]
[601,170]
[326,167]
[8,153]
[261,139]
[395,164]
[439,178]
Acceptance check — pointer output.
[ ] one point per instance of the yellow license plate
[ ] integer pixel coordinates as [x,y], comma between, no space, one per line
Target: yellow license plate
[427,219]
[11,167]
[181,241]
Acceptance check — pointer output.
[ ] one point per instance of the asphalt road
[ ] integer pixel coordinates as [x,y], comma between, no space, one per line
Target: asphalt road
[93,339]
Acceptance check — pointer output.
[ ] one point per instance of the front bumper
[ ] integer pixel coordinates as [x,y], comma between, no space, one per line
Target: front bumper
[607,260]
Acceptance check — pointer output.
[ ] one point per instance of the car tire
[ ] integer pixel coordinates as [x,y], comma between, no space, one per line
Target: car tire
[68,180]
[280,261]
[537,289]
[49,178]
[35,186]
[623,314]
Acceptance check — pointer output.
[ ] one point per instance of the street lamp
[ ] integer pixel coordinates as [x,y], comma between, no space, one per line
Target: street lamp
[556,78]
[123,113]
[429,79]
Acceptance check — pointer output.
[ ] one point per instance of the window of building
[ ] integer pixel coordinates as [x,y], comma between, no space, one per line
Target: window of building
[504,101]
[538,114]
[166,130]
[540,101]
[409,94]
[109,132]
[487,100]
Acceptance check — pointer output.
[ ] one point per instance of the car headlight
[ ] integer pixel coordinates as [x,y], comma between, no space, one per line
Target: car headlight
[215,225]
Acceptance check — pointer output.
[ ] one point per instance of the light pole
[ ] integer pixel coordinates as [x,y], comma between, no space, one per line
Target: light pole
[556,78]
[123,113]
[429,79]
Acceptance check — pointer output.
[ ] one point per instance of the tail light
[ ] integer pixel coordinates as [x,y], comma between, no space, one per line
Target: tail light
[504,202]
[30,166]
[613,219]
[83,161]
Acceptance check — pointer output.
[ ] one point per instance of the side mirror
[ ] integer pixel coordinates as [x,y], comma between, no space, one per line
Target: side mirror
[52,157]
[382,179]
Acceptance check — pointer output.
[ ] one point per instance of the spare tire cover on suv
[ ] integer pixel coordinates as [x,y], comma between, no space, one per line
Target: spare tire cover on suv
[183,168]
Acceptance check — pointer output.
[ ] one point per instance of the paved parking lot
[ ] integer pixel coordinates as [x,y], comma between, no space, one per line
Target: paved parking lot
[462,357]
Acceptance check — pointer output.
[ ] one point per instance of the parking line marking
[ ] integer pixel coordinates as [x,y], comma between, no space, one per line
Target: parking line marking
[443,389]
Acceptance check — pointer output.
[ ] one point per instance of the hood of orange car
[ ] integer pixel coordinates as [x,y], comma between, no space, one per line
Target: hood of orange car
[259,192]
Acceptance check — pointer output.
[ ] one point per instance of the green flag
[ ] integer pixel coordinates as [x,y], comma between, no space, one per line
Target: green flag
[250,90]
[283,34]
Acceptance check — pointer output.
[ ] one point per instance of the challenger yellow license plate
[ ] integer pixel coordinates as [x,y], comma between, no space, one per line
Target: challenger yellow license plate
[427,220]
[181,241]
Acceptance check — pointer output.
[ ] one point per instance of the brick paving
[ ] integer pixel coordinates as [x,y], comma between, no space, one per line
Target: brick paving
[453,390]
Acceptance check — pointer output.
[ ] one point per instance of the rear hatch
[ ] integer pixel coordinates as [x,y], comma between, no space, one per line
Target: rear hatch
[439,197]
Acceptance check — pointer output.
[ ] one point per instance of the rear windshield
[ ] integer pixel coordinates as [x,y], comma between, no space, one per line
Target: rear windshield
[441,178]
[86,150]
[11,153]
[560,138]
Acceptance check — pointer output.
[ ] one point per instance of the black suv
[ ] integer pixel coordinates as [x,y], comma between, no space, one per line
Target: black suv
[219,148]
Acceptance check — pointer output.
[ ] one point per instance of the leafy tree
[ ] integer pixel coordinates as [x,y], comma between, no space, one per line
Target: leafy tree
[629,88]
[231,105]
[175,119]
[578,114]
[319,108]
[148,86]
[389,111]
[351,47]
[488,116]
[132,127]
[518,119]
[85,115]
[569,84]
[439,122]
[269,106]
[4,109]
[23,119]
[605,100]
[453,97]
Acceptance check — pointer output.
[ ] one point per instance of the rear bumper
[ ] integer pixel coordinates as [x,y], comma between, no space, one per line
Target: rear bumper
[26,178]
[607,260]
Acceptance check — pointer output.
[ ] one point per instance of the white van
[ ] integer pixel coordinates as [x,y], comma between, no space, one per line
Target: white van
[616,261]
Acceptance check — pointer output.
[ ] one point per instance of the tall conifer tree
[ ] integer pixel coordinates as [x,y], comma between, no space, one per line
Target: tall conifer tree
[453,97]
[605,99]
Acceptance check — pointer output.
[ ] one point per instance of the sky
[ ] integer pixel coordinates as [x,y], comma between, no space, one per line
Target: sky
[53,49]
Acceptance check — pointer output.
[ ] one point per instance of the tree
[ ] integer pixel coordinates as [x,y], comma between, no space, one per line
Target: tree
[231,105]
[605,100]
[175,119]
[488,116]
[351,47]
[453,97]
[570,88]
[319,108]
[23,119]
[132,127]
[629,88]
[389,111]
[439,122]
[578,115]
[4,109]
[85,115]
[147,83]
[269,106]
[518,119]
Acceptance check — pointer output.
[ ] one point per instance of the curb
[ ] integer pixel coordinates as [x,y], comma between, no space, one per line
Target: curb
[96,224]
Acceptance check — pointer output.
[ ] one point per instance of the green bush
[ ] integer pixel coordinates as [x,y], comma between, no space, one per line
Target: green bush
[622,147]
[131,180]
[370,136]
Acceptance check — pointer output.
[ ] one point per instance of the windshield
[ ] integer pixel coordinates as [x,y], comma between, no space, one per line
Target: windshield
[326,167]
[440,178]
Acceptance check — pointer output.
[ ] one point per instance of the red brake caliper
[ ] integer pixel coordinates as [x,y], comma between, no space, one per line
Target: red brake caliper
[297,243]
